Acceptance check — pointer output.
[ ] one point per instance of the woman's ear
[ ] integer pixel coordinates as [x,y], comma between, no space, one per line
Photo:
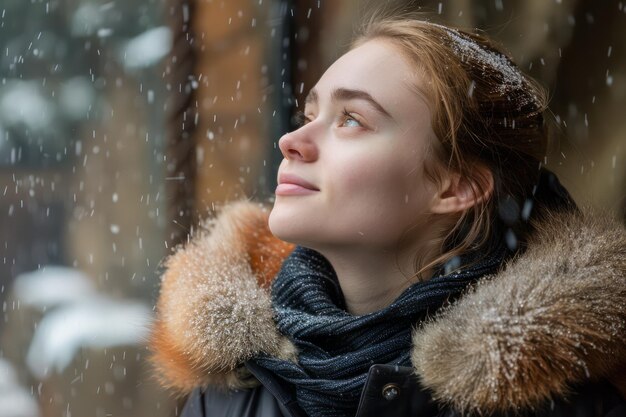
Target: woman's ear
[459,193]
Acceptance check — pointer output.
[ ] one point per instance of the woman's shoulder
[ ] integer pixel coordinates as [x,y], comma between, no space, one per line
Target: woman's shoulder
[210,401]
[553,318]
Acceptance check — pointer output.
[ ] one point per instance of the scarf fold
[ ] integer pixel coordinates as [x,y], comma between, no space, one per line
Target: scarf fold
[335,348]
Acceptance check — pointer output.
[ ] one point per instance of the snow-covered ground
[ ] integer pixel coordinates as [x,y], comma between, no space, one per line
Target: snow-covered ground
[75,316]
[15,401]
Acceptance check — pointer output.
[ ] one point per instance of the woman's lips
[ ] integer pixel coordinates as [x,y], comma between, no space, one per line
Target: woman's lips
[290,184]
[293,189]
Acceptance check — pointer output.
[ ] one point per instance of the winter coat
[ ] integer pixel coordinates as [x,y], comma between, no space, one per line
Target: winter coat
[546,336]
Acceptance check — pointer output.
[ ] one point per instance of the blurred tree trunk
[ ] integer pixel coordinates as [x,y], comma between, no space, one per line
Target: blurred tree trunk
[590,96]
[181,147]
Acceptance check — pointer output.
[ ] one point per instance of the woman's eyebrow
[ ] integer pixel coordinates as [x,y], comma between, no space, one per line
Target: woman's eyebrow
[344,94]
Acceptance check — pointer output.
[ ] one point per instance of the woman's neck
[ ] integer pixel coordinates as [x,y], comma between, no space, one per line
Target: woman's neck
[371,280]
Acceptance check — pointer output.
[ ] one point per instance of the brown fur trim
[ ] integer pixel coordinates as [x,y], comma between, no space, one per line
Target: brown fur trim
[214,310]
[554,317]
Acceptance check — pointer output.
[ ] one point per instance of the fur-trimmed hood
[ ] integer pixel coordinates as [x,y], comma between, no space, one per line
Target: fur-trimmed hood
[553,317]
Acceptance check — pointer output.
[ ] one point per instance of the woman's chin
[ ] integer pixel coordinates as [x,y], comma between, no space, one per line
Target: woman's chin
[295,229]
[284,226]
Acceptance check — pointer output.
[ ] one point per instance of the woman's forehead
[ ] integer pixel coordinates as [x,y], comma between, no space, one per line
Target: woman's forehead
[376,68]
[377,62]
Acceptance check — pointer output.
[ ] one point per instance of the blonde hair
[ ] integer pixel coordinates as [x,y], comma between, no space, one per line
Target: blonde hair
[486,114]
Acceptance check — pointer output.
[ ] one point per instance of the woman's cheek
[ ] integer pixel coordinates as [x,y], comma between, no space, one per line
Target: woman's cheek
[366,176]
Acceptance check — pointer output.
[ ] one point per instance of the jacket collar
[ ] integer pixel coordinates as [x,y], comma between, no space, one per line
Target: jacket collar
[553,317]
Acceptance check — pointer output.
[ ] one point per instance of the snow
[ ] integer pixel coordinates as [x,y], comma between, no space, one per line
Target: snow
[52,286]
[470,51]
[105,32]
[22,102]
[8,377]
[86,20]
[147,48]
[75,97]
[468,48]
[97,322]
[14,400]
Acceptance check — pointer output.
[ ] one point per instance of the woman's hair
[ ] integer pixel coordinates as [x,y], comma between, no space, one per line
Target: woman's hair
[487,115]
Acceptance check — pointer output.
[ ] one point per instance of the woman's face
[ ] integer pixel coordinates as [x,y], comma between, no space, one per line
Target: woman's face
[362,149]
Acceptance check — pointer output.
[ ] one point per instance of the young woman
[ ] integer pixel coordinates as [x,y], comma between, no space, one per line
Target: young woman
[417,260]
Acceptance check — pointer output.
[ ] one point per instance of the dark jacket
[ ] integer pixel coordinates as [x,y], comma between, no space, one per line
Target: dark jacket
[546,336]
[407,399]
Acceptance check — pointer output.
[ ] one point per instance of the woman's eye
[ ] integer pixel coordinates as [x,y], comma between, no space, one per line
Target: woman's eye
[349,120]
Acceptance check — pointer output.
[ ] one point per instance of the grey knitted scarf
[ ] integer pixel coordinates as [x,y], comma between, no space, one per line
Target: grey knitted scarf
[335,348]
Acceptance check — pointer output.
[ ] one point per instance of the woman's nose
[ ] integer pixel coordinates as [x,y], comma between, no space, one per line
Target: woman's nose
[298,145]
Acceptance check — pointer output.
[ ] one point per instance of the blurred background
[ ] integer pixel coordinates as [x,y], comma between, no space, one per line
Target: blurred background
[122,123]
